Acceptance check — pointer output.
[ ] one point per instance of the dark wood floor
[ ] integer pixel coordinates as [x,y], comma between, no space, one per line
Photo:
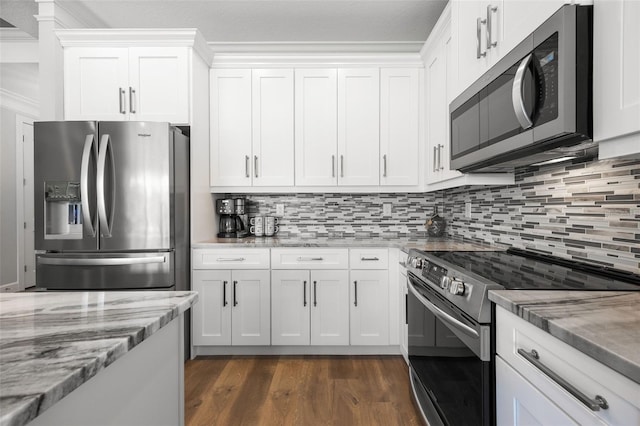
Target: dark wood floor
[298,390]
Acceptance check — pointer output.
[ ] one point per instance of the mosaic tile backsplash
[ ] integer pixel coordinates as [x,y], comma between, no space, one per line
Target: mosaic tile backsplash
[588,211]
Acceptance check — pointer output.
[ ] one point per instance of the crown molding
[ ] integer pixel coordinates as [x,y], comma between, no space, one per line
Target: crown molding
[317,60]
[117,37]
[315,47]
[19,103]
[436,32]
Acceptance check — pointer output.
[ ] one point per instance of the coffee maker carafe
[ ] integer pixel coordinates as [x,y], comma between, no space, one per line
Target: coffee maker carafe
[233,220]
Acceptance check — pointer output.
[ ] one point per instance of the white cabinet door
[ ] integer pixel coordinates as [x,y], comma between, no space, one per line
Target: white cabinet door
[329,307]
[251,308]
[358,128]
[211,318]
[439,86]
[469,29]
[369,307]
[519,403]
[159,84]
[230,105]
[399,126]
[96,84]
[616,76]
[273,157]
[290,303]
[316,127]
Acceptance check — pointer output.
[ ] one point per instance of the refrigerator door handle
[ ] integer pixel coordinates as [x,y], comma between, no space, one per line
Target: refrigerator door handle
[87,152]
[105,223]
[113,261]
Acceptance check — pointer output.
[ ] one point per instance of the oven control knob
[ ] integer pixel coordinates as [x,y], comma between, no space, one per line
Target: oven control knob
[457,287]
[445,281]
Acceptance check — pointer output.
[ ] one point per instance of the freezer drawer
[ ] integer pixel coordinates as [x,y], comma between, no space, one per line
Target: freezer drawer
[105,271]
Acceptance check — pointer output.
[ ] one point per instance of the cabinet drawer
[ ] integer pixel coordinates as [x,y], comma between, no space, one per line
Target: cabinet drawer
[368,258]
[231,259]
[309,259]
[587,375]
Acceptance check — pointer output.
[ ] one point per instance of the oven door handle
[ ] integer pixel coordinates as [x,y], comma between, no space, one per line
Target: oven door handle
[443,315]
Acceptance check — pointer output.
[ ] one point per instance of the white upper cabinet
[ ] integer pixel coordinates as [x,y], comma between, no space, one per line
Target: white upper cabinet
[273,158]
[251,127]
[316,127]
[230,110]
[135,83]
[616,77]
[96,83]
[399,126]
[358,126]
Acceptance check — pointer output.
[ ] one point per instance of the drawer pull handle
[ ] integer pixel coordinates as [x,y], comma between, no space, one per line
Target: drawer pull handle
[307,259]
[369,259]
[230,259]
[593,404]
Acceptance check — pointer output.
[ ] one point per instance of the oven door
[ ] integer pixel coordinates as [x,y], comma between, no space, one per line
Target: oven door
[449,355]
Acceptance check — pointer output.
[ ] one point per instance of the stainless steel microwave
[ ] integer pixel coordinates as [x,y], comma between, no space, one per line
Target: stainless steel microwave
[532,106]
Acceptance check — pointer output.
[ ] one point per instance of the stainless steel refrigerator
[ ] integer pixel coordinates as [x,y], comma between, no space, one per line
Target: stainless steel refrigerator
[111,206]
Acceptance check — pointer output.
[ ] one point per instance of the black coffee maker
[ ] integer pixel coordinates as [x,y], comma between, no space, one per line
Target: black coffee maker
[233,220]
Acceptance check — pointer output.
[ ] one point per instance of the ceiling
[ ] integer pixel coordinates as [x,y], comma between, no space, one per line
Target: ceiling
[255,21]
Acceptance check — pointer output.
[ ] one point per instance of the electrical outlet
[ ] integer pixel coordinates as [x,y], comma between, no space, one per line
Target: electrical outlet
[467,209]
[280,210]
[386,209]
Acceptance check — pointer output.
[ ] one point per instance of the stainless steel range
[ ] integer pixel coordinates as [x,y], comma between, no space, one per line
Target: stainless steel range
[451,326]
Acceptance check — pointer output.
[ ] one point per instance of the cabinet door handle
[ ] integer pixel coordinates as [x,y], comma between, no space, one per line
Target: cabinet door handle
[224,293]
[304,293]
[342,166]
[246,166]
[490,11]
[406,309]
[435,158]
[255,165]
[315,293]
[235,300]
[333,166]
[593,404]
[479,52]
[132,95]
[121,100]
[384,165]
[368,259]
[355,291]
[440,157]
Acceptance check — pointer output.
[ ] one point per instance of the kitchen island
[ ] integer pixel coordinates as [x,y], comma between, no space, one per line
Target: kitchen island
[82,358]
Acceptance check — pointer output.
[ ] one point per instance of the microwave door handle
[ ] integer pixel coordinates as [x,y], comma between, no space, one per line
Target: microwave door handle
[105,149]
[87,152]
[516,94]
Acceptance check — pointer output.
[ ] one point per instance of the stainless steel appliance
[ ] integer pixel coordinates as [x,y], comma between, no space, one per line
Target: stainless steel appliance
[534,105]
[451,322]
[111,206]
[233,220]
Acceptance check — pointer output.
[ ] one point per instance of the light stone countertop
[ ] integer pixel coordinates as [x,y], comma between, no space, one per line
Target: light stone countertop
[405,244]
[53,342]
[602,324]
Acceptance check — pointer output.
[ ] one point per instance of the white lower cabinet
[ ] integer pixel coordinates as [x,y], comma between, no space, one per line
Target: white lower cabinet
[234,307]
[529,390]
[369,310]
[310,307]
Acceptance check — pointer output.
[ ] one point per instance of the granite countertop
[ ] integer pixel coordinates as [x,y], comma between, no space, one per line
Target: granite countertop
[425,244]
[602,324]
[52,342]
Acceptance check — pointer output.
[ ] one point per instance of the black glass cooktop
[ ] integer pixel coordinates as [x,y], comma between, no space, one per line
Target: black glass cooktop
[523,270]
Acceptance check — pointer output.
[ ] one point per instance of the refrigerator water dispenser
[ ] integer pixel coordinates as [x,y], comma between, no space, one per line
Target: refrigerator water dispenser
[63,211]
